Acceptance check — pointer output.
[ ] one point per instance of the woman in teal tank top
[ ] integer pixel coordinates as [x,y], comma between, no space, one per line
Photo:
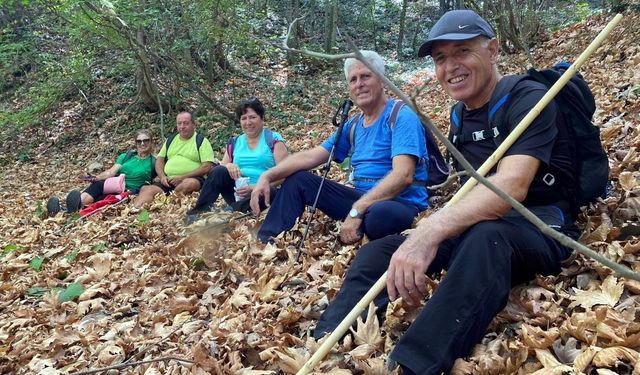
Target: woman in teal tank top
[247,156]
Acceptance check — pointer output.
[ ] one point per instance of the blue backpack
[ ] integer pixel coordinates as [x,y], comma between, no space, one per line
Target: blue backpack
[576,106]
[437,168]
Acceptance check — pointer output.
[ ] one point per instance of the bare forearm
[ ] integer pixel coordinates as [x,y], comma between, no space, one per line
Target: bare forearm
[160,162]
[299,161]
[388,188]
[479,204]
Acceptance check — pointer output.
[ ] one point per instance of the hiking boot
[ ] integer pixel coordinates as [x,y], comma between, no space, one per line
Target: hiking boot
[74,203]
[53,206]
[191,218]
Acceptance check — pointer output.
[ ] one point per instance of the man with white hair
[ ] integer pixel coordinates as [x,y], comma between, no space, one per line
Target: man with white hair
[484,245]
[388,163]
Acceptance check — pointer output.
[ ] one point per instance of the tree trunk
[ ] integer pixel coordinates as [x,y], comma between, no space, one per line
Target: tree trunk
[403,17]
[330,22]
[293,12]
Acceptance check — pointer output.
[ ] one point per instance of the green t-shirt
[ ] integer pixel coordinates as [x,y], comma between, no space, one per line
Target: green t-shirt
[183,156]
[137,171]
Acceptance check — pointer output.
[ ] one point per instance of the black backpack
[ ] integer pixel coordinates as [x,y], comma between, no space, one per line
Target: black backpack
[437,168]
[199,140]
[576,106]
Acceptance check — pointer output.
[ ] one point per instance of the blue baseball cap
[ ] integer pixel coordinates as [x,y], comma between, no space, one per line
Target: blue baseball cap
[459,24]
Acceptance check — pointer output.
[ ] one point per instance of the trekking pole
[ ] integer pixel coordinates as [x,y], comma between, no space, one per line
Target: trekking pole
[210,227]
[343,327]
[343,111]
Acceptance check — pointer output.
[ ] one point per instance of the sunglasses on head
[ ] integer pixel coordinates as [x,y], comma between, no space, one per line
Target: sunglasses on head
[141,141]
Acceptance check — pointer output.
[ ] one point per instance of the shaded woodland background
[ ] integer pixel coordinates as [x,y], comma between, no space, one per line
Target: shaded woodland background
[79,77]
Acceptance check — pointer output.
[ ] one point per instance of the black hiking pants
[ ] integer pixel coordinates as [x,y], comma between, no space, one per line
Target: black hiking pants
[482,265]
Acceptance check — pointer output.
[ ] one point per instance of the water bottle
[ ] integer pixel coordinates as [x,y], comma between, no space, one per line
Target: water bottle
[240,182]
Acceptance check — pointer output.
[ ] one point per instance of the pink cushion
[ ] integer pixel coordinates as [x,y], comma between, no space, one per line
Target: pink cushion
[114,185]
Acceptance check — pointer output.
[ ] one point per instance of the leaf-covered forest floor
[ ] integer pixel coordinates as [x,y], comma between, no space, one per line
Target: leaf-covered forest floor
[151,288]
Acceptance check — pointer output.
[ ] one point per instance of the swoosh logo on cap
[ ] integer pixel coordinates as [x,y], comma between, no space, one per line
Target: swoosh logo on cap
[462,26]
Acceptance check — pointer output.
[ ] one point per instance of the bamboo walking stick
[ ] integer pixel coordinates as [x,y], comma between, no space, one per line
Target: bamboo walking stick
[342,328]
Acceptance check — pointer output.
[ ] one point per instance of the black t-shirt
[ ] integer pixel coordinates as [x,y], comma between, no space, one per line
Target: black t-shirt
[544,139]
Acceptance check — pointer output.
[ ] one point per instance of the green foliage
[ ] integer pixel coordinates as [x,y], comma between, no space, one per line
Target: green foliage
[11,247]
[36,291]
[72,218]
[71,257]
[39,211]
[143,216]
[36,263]
[71,292]
[99,247]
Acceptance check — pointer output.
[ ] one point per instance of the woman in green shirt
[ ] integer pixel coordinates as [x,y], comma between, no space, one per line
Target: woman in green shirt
[137,165]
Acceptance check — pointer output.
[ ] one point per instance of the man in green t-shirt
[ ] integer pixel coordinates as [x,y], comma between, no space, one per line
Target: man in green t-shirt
[183,166]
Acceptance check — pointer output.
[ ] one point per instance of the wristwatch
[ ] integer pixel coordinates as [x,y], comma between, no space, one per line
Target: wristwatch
[355,214]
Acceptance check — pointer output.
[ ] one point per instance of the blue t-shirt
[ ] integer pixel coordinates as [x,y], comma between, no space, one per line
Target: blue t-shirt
[254,162]
[377,145]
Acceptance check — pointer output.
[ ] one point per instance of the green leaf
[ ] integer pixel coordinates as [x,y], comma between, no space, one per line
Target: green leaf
[39,211]
[36,291]
[72,291]
[9,248]
[99,247]
[72,218]
[36,263]
[71,257]
[346,163]
[143,216]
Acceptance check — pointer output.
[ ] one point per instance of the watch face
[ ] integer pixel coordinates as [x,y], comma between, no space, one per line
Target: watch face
[353,213]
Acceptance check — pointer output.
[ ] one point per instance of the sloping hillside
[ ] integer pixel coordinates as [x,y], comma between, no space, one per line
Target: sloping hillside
[143,287]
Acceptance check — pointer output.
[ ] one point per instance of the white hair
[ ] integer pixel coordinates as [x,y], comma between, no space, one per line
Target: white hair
[372,58]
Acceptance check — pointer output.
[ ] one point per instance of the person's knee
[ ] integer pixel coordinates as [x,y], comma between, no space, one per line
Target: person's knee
[86,199]
[388,217]
[147,193]
[297,179]
[187,186]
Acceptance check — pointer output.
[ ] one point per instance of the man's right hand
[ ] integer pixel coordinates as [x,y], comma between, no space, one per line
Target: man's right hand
[261,189]
[164,180]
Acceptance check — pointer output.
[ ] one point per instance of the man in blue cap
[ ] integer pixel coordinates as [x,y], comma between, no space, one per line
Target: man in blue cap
[485,246]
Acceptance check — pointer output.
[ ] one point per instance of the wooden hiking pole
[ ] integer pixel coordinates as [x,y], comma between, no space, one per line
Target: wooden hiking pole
[342,328]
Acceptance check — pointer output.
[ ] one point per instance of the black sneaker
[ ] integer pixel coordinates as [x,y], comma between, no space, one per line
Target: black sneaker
[74,203]
[53,206]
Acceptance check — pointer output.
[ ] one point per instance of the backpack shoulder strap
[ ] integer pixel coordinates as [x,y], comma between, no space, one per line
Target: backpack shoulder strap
[231,143]
[129,155]
[351,136]
[167,143]
[268,137]
[393,117]
[498,101]
[199,140]
[153,167]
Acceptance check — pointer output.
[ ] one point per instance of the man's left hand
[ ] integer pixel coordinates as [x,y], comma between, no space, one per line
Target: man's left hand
[350,230]
[406,274]
[176,181]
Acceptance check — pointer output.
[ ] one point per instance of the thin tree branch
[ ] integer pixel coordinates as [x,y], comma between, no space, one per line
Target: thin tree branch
[131,364]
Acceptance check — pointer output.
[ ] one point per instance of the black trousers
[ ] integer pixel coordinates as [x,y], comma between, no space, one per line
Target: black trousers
[482,265]
[218,182]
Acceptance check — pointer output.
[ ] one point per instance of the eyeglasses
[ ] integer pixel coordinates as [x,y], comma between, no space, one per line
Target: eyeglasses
[141,141]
